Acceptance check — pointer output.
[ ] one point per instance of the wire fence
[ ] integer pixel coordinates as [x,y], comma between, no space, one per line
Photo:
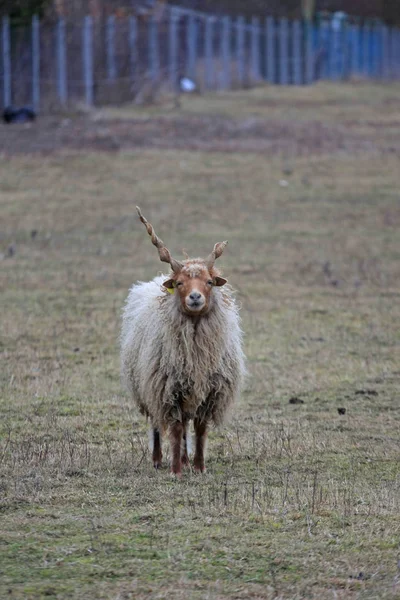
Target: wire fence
[122,59]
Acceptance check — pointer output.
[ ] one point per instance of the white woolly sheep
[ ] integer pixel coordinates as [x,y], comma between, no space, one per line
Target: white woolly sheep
[181,351]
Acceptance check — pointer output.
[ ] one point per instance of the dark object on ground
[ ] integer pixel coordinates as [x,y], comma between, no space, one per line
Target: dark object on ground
[341,411]
[18,115]
[296,400]
[366,393]
[361,576]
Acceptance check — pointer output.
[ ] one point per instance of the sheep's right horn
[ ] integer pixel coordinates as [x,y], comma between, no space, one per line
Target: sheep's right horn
[216,253]
[163,251]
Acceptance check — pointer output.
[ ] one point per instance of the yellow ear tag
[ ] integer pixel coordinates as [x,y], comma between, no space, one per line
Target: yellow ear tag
[170,290]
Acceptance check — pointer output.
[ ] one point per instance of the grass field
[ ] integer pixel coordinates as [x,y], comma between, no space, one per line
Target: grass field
[299,501]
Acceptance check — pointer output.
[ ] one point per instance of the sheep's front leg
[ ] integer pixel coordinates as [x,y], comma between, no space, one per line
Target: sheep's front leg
[200,429]
[175,436]
[157,452]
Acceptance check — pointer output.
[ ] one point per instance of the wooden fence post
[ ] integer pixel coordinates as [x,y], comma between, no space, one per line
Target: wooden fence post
[225,53]
[390,53]
[324,37]
[35,62]
[297,54]
[61,63]
[209,52]
[270,49]
[173,50]
[283,51]
[375,50]
[309,52]
[366,54]
[110,48]
[355,50]
[361,49]
[6,62]
[384,52]
[133,55]
[191,47]
[332,51]
[394,53]
[154,59]
[87,44]
[255,48]
[240,62]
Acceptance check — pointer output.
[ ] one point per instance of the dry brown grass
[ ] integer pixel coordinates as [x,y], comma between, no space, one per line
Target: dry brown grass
[298,501]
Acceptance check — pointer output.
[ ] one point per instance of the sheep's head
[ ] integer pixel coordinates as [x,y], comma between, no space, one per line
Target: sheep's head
[192,280]
[193,283]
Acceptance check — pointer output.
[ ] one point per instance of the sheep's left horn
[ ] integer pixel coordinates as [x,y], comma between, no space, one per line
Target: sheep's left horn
[216,253]
[164,253]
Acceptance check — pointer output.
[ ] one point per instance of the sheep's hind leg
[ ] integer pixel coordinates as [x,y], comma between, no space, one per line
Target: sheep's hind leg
[157,452]
[175,436]
[200,428]
[185,454]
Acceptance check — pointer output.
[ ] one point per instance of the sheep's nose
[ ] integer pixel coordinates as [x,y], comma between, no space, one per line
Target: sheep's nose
[195,296]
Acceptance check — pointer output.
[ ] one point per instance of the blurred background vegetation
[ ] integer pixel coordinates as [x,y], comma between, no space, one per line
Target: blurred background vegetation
[22,10]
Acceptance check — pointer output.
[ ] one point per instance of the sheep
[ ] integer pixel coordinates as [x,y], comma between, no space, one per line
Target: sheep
[181,351]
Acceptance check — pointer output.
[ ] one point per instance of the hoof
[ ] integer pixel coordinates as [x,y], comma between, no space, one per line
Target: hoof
[185,461]
[200,469]
[176,474]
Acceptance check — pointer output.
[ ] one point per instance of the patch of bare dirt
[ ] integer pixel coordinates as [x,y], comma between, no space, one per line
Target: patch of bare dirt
[206,133]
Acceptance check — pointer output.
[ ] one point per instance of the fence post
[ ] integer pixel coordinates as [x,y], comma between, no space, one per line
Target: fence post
[372,50]
[191,47]
[366,53]
[225,53]
[380,34]
[397,54]
[332,52]
[375,50]
[325,47]
[208,51]
[309,52]
[173,50]
[88,59]
[154,60]
[390,53]
[393,53]
[361,49]
[255,48]
[133,48]
[61,63]
[345,50]
[338,50]
[354,50]
[6,62]
[383,67]
[297,55]
[110,48]
[239,29]
[283,51]
[270,49]
[35,62]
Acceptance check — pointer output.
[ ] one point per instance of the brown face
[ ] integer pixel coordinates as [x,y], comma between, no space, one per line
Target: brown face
[194,283]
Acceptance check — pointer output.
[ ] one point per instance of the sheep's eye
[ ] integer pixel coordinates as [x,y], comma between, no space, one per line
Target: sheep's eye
[179,283]
[210,282]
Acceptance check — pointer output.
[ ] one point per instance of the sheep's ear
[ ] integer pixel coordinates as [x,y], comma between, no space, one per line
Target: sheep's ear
[169,284]
[218,281]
